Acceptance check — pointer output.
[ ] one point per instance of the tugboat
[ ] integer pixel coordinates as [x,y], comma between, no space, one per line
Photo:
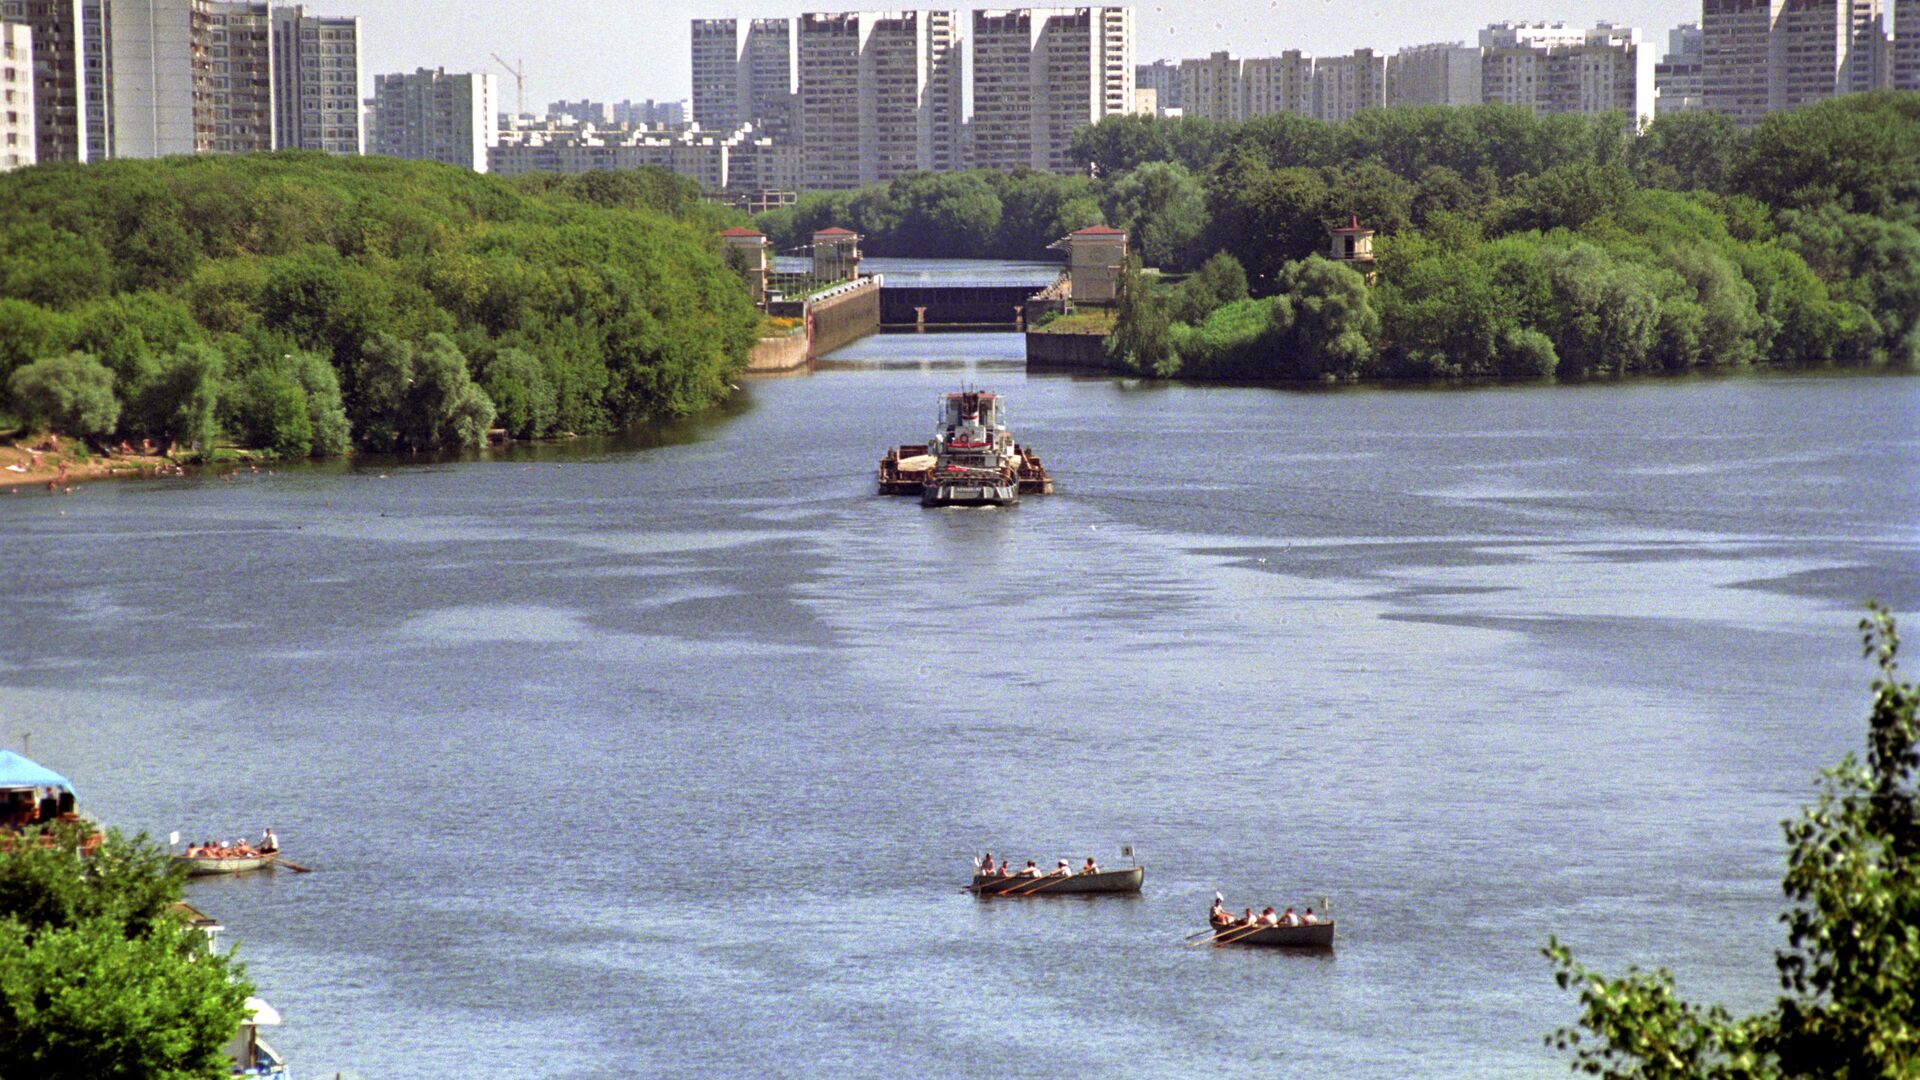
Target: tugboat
[970,461]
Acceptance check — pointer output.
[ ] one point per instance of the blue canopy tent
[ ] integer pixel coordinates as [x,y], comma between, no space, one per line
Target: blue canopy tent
[17,772]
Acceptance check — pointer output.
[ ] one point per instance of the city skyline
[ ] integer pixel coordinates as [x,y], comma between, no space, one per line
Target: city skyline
[638,57]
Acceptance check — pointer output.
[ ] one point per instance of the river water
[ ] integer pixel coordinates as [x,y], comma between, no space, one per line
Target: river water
[668,755]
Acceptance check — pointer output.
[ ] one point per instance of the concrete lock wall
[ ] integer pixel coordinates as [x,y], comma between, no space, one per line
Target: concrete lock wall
[845,316]
[1066,352]
[779,353]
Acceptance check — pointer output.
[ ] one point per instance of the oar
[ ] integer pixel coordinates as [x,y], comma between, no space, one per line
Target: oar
[1230,935]
[1208,930]
[293,866]
[1050,879]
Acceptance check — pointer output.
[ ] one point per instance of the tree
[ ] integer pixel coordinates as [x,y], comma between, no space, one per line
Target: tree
[1685,151]
[99,977]
[1219,282]
[1851,969]
[1164,211]
[71,393]
[1142,335]
[522,392]
[181,399]
[1335,329]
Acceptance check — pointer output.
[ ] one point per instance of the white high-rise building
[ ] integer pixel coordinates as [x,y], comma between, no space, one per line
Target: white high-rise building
[1762,56]
[1210,88]
[1906,45]
[430,115]
[1042,74]
[1344,85]
[191,77]
[743,74]
[880,96]
[316,82]
[1553,68]
[16,96]
[1277,84]
[1438,74]
[71,76]
[1677,82]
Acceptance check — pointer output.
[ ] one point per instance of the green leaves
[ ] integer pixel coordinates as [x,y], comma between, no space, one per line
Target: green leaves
[1851,968]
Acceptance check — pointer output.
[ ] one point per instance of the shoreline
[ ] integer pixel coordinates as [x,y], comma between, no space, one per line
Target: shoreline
[22,468]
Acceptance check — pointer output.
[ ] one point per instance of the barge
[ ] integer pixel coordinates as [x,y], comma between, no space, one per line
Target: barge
[971,460]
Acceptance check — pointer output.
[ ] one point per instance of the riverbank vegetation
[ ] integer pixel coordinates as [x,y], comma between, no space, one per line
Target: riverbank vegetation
[1509,245]
[310,304]
[100,973]
[1850,973]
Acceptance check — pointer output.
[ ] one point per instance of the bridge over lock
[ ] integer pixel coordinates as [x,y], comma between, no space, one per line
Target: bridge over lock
[950,303]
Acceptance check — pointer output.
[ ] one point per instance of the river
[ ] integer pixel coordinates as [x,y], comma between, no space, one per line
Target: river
[668,754]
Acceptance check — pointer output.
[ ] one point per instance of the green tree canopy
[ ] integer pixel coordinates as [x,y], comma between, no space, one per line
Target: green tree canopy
[71,394]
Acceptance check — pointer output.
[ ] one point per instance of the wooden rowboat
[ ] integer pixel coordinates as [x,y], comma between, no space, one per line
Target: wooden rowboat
[231,864]
[1126,880]
[1316,936]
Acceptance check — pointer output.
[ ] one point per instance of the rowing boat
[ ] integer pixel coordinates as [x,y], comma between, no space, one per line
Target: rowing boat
[198,866]
[1126,880]
[1314,936]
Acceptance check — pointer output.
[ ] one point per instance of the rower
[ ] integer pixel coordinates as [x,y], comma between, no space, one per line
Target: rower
[1247,919]
[1062,870]
[270,843]
[1289,919]
[986,865]
[1091,867]
[1217,914]
[1310,919]
[1268,918]
[1031,870]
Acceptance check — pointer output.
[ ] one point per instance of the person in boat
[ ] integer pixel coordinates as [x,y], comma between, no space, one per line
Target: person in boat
[1091,867]
[270,843]
[1248,918]
[193,850]
[1290,919]
[1061,869]
[1309,919]
[986,865]
[1218,915]
[1030,871]
[1268,918]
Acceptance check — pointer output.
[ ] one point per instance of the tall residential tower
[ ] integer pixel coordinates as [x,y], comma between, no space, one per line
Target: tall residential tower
[880,96]
[1042,74]
[316,82]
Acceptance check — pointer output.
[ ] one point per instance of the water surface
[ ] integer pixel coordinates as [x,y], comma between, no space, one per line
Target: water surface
[668,755]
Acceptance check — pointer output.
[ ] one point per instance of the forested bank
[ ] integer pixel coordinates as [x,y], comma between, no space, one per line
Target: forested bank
[1509,244]
[308,304]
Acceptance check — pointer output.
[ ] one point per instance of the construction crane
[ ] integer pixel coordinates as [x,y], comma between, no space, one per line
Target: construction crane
[518,70]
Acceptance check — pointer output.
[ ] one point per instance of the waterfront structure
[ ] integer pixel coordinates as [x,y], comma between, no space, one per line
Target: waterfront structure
[836,255]
[1678,85]
[1439,74]
[880,96]
[16,96]
[1096,258]
[747,254]
[1761,56]
[743,74]
[1163,78]
[71,76]
[316,82]
[1905,73]
[1344,85]
[1553,68]
[1277,84]
[1042,74]
[430,115]
[1210,88]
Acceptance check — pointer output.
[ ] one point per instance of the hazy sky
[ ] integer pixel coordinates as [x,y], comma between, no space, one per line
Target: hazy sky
[638,48]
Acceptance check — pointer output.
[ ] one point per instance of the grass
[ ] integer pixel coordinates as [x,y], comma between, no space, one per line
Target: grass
[1098,321]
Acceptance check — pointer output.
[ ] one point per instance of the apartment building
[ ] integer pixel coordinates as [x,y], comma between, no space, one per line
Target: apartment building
[191,77]
[880,95]
[316,82]
[1210,88]
[429,115]
[1678,84]
[1042,74]
[1344,85]
[1277,84]
[16,96]
[745,160]
[1438,74]
[1905,66]
[1163,78]
[1761,56]
[743,74]
[70,76]
[236,82]
[1553,68]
